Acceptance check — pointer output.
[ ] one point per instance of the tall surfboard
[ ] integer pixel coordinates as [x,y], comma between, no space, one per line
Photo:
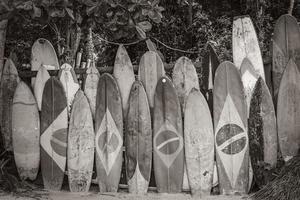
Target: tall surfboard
[90,86]
[124,75]
[43,53]
[286,45]
[167,138]
[80,145]
[231,137]
[109,134]
[245,44]
[199,143]
[54,134]
[151,69]
[70,83]
[138,140]
[26,132]
[41,78]
[209,67]
[262,132]
[288,111]
[9,82]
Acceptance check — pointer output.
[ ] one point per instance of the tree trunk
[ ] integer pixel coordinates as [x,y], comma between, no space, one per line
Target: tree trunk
[290,11]
[3,26]
[190,15]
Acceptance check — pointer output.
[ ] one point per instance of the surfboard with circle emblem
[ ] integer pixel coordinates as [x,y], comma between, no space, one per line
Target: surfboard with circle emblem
[151,69]
[109,133]
[167,138]
[124,75]
[288,111]
[80,150]
[199,144]
[90,86]
[138,140]
[9,82]
[54,134]
[26,132]
[70,83]
[245,44]
[262,132]
[230,125]
[41,78]
[285,45]
[43,53]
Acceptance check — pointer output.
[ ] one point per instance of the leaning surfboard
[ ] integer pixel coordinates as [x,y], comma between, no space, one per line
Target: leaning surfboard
[151,69]
[199,143]
[124,75]
[90,86]
[138,140]
[288,111]
[167,138]
[109,134]
[41,78]
[231,138]
[245,44]
[262,132]
[80,145]
[54,134]
[43,53]
[70,83]
[286,45]
[8,86]
[26,132]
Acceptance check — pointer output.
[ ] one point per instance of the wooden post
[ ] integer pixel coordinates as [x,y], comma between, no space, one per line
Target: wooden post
[290,11]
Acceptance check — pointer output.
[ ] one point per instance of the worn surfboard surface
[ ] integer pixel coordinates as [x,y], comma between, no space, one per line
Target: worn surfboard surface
[43,53]
[138,140]
[209,67]
[80,145]
[245,44]
[54,134]
[70,83]
[167,138]
[262,132]
[8,86]
[124,75]
[199,144]
[151,69]
[109,134]
[288,111]
[286,45]
[231,137]
[90,86]
[41,78]
[26,132]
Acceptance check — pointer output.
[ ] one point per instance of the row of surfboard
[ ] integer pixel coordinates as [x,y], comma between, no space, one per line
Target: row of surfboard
[237,95]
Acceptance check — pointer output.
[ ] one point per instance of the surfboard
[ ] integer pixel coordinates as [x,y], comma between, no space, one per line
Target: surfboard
[245,44]
[80,148]
[288,111]
[43,53]
[262,132]
[151,69]
[26,132]
[124,75]
[90,86]
[8,86]
[168,154]
[285,45]
[109,133]
[230,124]
[41,78]
[70,83]
[54,134]
[209,66]
[199,143]
[138,140]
